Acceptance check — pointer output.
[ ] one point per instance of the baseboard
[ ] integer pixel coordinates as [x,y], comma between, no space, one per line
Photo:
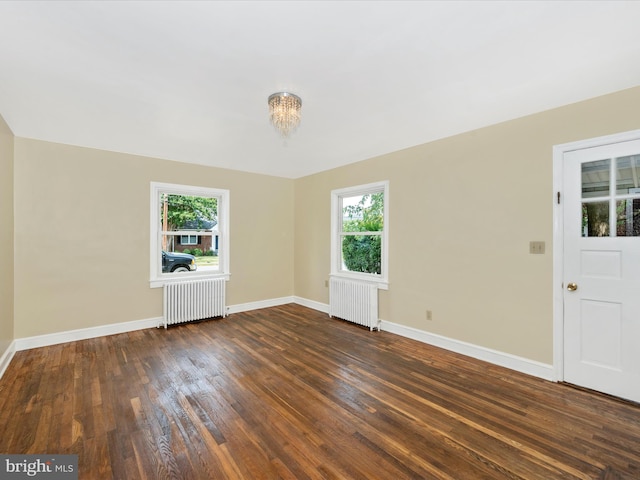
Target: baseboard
[513,362]
[111,329]
[495,357]
[246,307]
[6,357]
[84,333]
[507,360]
[321,307]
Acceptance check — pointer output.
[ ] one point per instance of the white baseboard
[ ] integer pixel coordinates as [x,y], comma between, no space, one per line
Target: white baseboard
[246,307]
[6,357]
[495,357]
[321,307]
[513,362]
[103,330]
[84,333]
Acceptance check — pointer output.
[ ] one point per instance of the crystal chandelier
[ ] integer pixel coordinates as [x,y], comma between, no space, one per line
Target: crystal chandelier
[284,112]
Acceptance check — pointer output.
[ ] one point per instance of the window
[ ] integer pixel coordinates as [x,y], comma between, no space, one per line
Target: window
[611,197]
[184,216]
[189,240]
[359,232]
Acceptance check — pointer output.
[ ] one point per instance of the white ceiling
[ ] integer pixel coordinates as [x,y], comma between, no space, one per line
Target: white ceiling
[189,81]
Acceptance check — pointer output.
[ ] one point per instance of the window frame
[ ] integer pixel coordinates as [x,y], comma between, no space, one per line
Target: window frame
[381,280]
[156,277]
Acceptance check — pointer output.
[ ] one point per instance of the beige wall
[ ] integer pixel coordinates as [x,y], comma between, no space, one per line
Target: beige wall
[462,213]
[82,235]
[463,210]
[6,236]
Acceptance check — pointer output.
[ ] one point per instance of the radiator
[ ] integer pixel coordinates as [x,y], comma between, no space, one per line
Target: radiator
[193,300]
[354,301]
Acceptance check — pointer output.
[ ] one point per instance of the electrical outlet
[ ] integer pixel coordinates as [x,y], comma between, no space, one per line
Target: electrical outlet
[429,315]
[536,248]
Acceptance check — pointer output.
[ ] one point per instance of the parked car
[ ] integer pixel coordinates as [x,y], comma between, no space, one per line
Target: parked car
[178,262]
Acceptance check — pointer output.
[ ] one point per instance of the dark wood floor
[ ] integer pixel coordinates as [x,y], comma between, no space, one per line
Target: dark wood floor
[287,392]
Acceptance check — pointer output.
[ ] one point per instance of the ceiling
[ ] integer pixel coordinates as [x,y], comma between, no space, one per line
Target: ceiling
[189,81]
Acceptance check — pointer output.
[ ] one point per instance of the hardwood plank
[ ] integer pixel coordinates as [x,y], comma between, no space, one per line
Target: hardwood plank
[287,392]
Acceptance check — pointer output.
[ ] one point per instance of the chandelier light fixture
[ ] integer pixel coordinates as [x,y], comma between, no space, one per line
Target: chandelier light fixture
[284,112]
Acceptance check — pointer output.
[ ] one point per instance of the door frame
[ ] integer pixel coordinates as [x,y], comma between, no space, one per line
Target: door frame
[558,236]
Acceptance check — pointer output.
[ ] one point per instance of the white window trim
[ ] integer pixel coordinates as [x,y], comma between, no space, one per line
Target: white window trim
[156,277]
[382,280]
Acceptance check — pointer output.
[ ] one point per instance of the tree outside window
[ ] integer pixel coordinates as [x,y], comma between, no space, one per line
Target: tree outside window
[359,233]
[186,213]
[188,220]
[362,228]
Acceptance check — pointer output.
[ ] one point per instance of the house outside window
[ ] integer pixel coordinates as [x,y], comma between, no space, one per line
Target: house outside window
[189,240]
[189,236]
[359,233]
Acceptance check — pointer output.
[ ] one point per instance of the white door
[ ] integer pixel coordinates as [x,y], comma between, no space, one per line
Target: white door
[601,277]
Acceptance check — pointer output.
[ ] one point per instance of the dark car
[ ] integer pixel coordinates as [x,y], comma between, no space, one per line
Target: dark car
[178,262]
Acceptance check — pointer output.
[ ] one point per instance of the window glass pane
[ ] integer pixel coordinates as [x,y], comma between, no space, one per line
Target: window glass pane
[175,261]
[183,212]
[208,261]
[628,218]
[187,252]
[595,219]
[359,236]
[169,243]
[628,175]
[595,178]
[362,253]
[191,225]
[363,213]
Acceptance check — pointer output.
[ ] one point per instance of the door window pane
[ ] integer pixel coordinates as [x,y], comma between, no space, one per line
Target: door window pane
[595,219]
[595,178]
[628,217]
[628,174]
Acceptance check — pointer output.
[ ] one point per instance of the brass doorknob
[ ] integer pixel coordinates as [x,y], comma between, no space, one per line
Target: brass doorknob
[572,287]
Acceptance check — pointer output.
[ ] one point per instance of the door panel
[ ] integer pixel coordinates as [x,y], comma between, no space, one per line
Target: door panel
[601,330]
[602,258]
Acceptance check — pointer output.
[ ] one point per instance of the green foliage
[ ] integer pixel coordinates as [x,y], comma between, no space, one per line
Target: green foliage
[186,250]
[197,252]
[595,219]
[595,216]
[366,216]
[628,225]
[182,209]
[362,253]
[208,253]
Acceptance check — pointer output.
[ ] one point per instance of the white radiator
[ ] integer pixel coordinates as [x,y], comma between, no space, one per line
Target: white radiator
[354,301]
[193,300]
